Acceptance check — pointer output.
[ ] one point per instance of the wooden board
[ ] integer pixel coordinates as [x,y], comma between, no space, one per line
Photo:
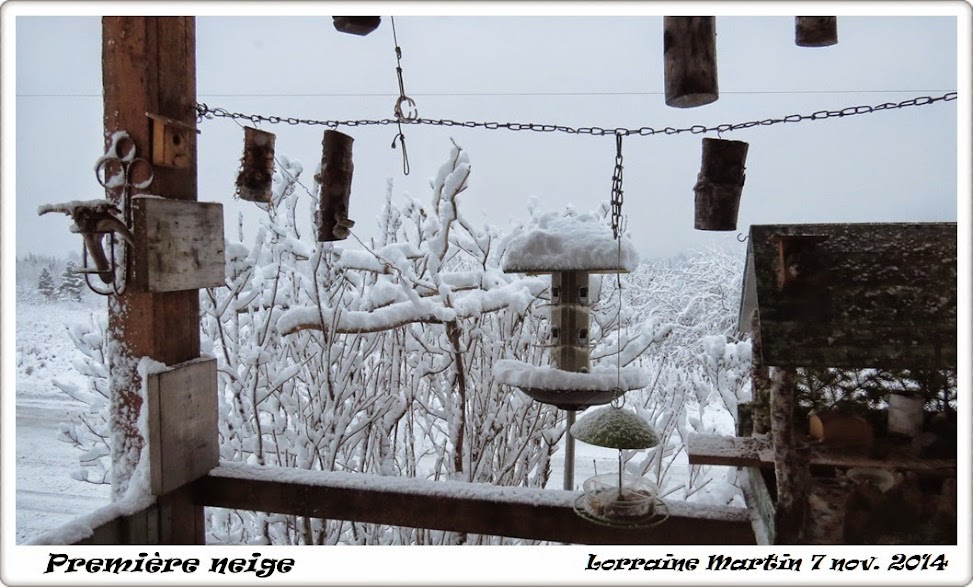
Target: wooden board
[760,503]
[183,424]
[179,245]
[873,295]
[734,451]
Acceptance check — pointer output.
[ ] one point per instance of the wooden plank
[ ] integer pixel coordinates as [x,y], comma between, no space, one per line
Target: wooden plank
[179,245]
[879,295]
[735,451]
[518,512]
[183,419]
[760,504]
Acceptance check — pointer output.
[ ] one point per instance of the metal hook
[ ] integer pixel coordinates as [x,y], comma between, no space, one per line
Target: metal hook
[405,153]
[413,111]
[741,240]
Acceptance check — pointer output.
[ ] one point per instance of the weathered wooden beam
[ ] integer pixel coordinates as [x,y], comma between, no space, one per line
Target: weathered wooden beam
[791,467]
[517,512]
[735,451]
[760,504]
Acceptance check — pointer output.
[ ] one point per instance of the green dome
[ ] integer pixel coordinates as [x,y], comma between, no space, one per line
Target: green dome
[614,428]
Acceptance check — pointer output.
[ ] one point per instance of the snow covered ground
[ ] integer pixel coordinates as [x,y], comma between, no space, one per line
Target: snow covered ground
[47,496]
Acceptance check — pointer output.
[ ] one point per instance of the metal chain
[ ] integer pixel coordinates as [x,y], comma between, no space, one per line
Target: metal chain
[618,196]
[400,115]
[203,111]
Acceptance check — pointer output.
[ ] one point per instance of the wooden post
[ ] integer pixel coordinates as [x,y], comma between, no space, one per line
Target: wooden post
[335,179]
[790,462]
[720,184]
[149,65]
[689,56]
[815,31]
[760,380]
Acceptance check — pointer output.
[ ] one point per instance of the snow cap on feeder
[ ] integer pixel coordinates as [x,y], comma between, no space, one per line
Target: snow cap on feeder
[689,56]
[257,166]
[331,218]
[815,31]
[568,242]
[356,25]
[569,390]
[613,427]
[719,184]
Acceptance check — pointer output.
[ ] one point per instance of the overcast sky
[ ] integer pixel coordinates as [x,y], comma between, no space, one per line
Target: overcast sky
[576,71]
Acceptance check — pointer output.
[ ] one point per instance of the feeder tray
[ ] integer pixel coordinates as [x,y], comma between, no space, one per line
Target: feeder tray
[566,389]
[636,506]
[571,399]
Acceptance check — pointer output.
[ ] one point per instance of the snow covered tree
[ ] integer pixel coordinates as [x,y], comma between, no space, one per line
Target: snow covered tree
[72,284]
[45,284]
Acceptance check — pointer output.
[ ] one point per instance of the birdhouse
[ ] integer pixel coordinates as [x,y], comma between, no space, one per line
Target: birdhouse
[335,175]
[719,184]
[571,248]
[172,142]
[618,499]
[254,181]
[689,56]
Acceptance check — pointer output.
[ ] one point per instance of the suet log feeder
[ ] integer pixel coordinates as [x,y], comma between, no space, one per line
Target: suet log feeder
[815,31]
[720,184]
[620,499]
[689,55]
[570,248]
[335,175]
[257,166]
[356,25]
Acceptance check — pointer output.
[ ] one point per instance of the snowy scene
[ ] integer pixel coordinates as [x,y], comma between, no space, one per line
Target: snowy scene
[276,311]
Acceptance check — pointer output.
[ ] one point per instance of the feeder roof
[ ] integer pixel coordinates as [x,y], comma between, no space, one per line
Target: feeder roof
[568,242]
[613,427]
[601,378]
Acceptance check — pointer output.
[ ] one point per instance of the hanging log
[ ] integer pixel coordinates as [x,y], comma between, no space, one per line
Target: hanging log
[689,54]
[816,31]
[719,184]
[257,166]
[356,25]
[331,218]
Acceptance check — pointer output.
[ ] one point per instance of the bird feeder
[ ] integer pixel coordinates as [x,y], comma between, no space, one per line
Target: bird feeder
[689,56]
[719,184]
[257,166]
[356,25]
[618,500]
[335,175]
[815,31]
[570,248]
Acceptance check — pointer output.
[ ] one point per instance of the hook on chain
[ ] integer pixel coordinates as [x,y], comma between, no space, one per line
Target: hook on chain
[400,138]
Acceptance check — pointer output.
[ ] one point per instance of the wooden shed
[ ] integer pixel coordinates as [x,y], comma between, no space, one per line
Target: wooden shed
[848,296]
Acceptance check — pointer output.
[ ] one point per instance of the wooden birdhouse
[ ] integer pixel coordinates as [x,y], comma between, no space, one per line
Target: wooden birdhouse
[571,249]
[173,142]
[825,297]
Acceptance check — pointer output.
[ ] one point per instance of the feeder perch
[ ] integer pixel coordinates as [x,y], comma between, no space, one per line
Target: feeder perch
[570,248]
[815,31]
[356,25]
[689,55]
[256,175]
[172,141]
[720,184]
[337,167]
[619,499]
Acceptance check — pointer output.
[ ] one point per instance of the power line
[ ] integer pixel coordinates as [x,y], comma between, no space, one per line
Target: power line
[491,94]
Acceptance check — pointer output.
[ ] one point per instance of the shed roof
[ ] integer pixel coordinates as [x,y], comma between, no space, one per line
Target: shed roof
[853,295]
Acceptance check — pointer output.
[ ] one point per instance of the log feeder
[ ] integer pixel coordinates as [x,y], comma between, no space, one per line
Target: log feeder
[816,31]
[689,55]
[719,184]
[332,219]
[356,25]
[257,166]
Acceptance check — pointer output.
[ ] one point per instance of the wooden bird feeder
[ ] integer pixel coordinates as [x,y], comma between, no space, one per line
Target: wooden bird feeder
[571,249]
[337,168]
[719,184]
[689,55]
[256,175]
[173,141]
[356,25]
[815,31]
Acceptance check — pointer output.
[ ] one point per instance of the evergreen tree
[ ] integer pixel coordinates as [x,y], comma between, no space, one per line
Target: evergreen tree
[45,284]
[72,284]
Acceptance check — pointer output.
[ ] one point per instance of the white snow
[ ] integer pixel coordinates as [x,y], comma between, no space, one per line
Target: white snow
[614,428]
[519,374]
[557,241]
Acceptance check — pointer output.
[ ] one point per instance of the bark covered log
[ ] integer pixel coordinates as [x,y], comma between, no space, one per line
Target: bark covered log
[689,55]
